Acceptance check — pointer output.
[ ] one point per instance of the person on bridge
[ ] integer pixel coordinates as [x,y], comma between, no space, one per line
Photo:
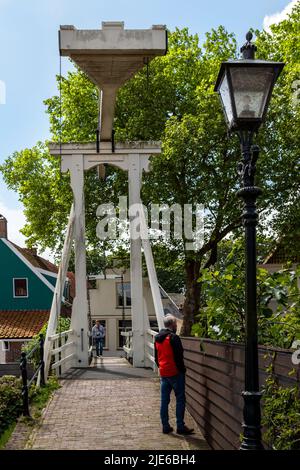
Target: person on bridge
[98,334]
[169,359]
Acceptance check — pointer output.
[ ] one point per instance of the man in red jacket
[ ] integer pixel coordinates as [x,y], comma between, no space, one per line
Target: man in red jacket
[169,359]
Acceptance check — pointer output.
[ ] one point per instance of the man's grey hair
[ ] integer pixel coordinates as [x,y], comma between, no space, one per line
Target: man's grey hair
[169,320]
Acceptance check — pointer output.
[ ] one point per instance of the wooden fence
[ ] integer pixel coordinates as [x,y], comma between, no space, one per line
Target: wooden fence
[215,380]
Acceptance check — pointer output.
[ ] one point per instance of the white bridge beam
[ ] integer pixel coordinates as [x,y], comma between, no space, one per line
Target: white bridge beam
[132,157]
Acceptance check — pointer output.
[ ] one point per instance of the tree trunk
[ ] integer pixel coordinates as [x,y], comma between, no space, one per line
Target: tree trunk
[191,304]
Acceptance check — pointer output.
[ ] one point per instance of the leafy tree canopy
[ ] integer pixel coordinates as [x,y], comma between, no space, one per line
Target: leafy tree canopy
[173,102]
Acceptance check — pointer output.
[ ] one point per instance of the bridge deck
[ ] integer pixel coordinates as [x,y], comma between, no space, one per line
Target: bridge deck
[111,405]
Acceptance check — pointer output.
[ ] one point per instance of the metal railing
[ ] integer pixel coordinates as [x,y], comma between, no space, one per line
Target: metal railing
[24,372]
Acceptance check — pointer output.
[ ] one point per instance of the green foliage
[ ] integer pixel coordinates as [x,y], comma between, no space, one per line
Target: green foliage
[63,325]
[39,396]
[169,268]
[174,103]
[281,414]
[10,401]
[281,134]
[278,300]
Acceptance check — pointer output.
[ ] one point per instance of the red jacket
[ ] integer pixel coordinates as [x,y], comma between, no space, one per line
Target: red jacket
[169,353]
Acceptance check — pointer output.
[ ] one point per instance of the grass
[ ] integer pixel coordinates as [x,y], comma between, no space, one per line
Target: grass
[5,436]
[39,397]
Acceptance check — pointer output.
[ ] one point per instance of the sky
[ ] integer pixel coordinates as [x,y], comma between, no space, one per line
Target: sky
[29,57]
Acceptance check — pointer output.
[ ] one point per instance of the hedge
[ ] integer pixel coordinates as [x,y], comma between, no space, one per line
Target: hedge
[10,400]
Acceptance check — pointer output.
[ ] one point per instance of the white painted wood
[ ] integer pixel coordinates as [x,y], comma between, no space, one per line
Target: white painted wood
[167,295]
[79,321]
[58,292]
[158,306]
[63,361]
[60,335]
[126,333]
[121,148]
[48,273]
[134,158]
[137,305]
[62,347]
[150,354]
[27,263]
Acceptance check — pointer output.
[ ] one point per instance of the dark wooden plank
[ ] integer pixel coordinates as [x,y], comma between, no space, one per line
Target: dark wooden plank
[230,424]
[222,373]
[230,382]
[214,381]
[212,429]
[228,368]
[230,395]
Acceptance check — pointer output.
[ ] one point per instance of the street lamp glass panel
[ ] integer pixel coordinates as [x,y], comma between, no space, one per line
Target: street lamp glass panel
[226,100]
[251,87]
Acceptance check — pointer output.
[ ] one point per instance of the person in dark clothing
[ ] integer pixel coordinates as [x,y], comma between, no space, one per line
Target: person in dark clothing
[169,359]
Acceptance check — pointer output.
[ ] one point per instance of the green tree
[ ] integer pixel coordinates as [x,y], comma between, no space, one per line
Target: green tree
[174,102]
[278,302]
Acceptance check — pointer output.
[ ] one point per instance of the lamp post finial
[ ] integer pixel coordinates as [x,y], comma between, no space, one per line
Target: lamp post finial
[248,50]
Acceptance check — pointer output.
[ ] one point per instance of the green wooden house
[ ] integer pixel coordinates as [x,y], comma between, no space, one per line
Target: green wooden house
[27,283]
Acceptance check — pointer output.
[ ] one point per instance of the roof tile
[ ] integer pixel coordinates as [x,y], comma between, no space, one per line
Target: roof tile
[21,323]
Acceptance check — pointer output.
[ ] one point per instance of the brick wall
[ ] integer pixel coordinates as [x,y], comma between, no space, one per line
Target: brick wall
[14,353]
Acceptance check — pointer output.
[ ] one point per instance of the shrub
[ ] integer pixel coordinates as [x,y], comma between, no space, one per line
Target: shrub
[63,325]
[281,415]
[10,400]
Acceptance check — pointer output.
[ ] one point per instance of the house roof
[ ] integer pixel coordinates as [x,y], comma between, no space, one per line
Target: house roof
[281,255]
[35,260]
[21,324]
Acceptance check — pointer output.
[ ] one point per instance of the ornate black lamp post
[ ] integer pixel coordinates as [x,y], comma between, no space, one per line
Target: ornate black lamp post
[245,87]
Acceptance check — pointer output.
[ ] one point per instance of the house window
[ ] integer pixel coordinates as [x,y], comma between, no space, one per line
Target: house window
[5,346]
[103,323]
[123,298]
[21,287]
[126,327]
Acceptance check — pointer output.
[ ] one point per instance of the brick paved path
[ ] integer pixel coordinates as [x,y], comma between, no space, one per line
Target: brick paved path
[118,411]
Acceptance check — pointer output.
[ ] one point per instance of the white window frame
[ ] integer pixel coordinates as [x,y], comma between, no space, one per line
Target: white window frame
[124,298]
[14,291]
[3,345]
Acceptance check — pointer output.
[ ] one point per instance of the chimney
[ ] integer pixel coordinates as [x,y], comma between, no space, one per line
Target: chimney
[33,251]
[3,227]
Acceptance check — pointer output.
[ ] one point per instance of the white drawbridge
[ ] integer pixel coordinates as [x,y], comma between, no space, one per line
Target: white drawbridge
[109,57]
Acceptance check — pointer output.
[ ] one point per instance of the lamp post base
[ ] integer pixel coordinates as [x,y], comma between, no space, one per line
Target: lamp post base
[252,430]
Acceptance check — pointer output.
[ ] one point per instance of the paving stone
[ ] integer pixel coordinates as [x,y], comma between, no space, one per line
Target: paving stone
[110,413]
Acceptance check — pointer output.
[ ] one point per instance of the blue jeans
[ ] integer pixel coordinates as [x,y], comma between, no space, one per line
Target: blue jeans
[99,346]
[167,384]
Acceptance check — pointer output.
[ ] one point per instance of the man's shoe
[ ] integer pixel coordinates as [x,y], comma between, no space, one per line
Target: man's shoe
[185,430]
[167,429]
